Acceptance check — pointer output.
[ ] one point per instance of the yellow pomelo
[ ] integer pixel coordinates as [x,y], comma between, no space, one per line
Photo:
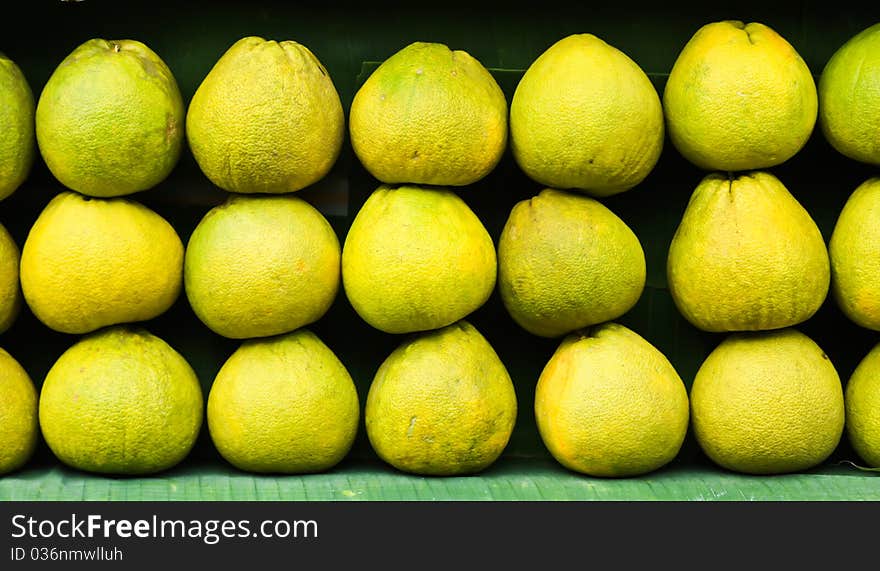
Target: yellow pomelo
[121,401]
[10,291]
[862,403]
[565,261]
[284,404]
[585,116]
[441,404]
[110,119]
[18,143]
[266,118]
[261,265]
[416,259]
[608,403]
[746,256]
[19,428]
[767,403]
[429,115]
[854,249]
[739,97]
[89,262]
[849,97]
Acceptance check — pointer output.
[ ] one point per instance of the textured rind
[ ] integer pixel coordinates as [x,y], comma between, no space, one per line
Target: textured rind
[586,117]
[767,403]
[739,97]
[746,256]
[266,119]
[19,428]
[442,403]
[121,401]
[417,258]
[862,400]
[565,261]
[18,146]
[849,97]
[88,263]
[110,119]
[283,405]
[608,403]
[429,115]
[261,265]
[10,289]
[854,250]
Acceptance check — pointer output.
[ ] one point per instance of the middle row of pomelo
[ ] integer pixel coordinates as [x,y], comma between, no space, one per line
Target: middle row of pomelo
[746,256]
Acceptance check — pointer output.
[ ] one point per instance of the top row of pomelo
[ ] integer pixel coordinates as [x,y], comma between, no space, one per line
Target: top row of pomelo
[267,117]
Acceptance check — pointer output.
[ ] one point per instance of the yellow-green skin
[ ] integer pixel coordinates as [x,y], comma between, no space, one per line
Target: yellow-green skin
[585,116]
[429,115]
[261,265]
[441,404]
[417,258]
[862,402]
[849,97]
[283,405]
[746,256]
[854,249]
[18,144]
[89,262]
[19,427]
[121,401]
[608,403]
[10,290]
[767,403]
[266,118]
[110,119]
[565,261]
[739,97]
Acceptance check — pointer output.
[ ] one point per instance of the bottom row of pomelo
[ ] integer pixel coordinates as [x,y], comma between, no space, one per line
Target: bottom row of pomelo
[608,403]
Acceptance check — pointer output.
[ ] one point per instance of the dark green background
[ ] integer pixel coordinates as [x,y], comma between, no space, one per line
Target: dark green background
[349,39]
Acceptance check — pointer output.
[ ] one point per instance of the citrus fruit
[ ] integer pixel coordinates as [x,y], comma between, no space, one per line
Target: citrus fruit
[261,265]
[121,401]
[854,250]
[284,404]
[739,97]
[416,258]
[746,256]
[18,144]
[110,119]
[429,115]
[608,403]
[862,403]
[10,291]
[19,428]
[566,261]
[266,118]
[849,97]
[442,403]
[585,116]
[88,262]
[767,402]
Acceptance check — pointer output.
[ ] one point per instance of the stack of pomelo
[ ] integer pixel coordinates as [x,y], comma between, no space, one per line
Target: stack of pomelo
[849,116]
[109,123]
[418,261]
[746,256]
[265,122]
[18,401]
[586,123]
